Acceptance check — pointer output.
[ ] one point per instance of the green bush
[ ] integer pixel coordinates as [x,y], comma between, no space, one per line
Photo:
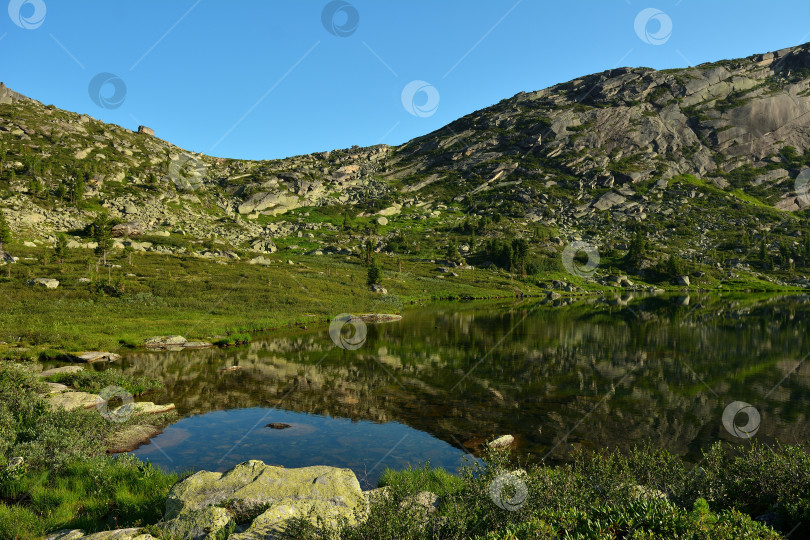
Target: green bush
[95,381]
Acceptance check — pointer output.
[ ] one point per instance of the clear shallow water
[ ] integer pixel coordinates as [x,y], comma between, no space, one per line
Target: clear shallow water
[219,440]
[598,373]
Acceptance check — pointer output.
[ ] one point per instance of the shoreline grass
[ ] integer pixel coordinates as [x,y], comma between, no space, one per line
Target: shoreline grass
[161,294]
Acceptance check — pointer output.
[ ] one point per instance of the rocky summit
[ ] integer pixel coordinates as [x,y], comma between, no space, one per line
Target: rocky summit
[711,162]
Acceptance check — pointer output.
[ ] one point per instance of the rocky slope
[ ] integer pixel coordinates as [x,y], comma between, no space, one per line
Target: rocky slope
[588,158]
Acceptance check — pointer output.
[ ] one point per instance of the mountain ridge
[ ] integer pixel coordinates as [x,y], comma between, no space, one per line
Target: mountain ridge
[594,158]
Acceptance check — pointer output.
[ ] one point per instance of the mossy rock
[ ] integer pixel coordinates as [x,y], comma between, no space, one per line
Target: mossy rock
[210,523]
[272,523]
[253,488]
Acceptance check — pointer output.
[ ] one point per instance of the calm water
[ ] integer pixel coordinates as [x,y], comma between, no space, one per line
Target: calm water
[602,372]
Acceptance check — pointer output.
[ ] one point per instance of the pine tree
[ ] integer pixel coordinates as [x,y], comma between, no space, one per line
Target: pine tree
[5,231]
[60,249]
[102,235]
[374,273]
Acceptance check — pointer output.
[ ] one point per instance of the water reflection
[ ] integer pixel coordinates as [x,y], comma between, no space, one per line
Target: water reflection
[604,372]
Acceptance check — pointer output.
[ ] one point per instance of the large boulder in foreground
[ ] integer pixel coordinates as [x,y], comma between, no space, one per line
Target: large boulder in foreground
[267,496]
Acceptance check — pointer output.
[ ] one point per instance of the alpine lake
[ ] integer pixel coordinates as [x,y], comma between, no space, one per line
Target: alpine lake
[674,372]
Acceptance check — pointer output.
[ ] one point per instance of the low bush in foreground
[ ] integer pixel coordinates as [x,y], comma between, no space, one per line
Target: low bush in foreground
[95,381]
[54,469]
[646,494]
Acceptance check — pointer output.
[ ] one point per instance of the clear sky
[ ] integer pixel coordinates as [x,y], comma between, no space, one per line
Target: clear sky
[261,79]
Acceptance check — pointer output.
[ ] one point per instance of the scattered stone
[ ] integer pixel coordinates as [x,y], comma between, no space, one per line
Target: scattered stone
[44,282]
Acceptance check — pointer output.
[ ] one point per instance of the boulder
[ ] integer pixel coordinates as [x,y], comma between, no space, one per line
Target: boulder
[131,438]
[147,407]
[73,401]
[279,494]
[55,388]
[47,283]
[379,289]
[382,221]
[66,534]
[56,371]
[165,342]
[379,317]
[261,261]
[209,523]
[129,229]
[682,281]
[504,441]
[609,200]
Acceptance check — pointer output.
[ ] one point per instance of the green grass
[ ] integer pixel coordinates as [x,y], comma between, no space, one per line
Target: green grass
[94,495]
[201,299]
[426,478]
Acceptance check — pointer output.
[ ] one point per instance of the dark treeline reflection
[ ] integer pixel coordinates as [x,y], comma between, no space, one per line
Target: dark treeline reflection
[604,372]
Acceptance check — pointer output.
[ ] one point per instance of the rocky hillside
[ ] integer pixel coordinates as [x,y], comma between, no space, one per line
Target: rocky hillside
[707,161]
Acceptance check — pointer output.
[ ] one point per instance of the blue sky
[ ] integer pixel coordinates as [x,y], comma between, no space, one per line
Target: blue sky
[262,79]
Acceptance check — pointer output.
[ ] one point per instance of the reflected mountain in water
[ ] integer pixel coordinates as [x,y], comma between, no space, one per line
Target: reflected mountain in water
[596,373]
